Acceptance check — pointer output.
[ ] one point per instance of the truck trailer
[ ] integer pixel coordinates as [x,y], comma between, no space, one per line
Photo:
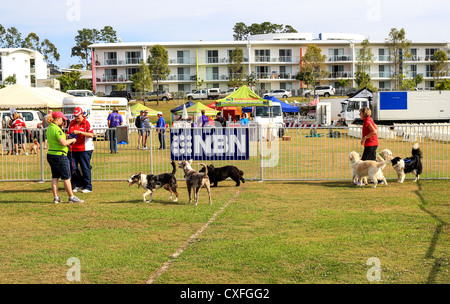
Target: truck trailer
[399,107]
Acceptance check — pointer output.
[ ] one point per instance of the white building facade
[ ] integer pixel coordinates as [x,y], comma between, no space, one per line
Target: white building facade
[274,58]
[28,66]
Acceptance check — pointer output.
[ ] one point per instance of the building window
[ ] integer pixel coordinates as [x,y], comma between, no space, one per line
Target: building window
[183,57]
[131,72]
[285,72]
[383,55]
[286,86]
[336,55]
[183,74]
[212,56]
[133,57]
[212,73]
[262,55]
[111,74]
[429,53]
[285,55]
[262,71]
[384,71]
[110,58]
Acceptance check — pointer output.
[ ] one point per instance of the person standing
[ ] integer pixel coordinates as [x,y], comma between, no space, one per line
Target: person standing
[18,125]
[146,126]
[138,124]
[161,129]
[82,149]
[45,126]
[114,120]
[204,121]
[220,120]
[57,156]
[244,120]
[369,135]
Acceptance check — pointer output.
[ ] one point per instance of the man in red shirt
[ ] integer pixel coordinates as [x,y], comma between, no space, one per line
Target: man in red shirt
[81,150]
[18,125]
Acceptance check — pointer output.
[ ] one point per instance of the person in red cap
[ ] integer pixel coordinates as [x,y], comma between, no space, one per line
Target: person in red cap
[81,150]
[57,156]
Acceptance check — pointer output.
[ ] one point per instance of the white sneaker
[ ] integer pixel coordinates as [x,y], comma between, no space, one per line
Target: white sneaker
[86,191]
[75,200]
[26,153]
[76,189]
[56,200]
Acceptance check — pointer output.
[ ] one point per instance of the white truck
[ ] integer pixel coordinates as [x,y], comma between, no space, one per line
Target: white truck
[214,93]
[269,116]
[316,115]
[407,107]
[97,110]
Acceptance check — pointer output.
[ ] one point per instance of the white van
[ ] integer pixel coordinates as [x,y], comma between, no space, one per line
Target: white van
[270,116]
[97,110]
[32,118]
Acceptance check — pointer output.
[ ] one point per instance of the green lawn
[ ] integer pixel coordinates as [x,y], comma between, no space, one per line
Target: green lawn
[272,232]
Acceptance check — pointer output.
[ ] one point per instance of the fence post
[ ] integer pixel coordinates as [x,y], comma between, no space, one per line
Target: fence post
[41,140]
[261,178]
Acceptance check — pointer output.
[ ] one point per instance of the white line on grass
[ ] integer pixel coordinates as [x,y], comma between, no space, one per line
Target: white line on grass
[189,241]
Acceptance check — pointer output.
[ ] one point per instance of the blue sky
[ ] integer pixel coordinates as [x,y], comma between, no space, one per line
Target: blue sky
[181,20]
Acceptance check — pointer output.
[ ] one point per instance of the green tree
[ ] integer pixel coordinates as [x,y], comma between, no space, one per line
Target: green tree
[10,80]
[72,81]
[313,70]
[399,52]
[418,79]
[12,38]
[159,66]
[439,65]
[87,37]
[443,85]
[241,30]
[364,59]
[251,80]
[142,80]
[46,47]
[235,68]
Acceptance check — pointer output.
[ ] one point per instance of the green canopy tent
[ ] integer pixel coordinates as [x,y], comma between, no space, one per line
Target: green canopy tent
[138,107]
[243,97]
[197,108]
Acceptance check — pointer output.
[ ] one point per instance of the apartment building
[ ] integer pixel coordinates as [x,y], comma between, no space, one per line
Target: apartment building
[274,58]
[28,66]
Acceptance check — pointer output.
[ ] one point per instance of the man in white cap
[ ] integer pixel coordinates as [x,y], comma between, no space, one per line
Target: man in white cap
[160,128]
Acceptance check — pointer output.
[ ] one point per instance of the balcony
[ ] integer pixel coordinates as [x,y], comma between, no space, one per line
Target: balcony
[262,58]
[213,76]
[113,62]
[336,75]
[382,75]
[133,60]
[340,58]
[383,58]
[212,60]
[183,60]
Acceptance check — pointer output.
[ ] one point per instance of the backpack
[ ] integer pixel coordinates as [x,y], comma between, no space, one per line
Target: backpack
[137,122]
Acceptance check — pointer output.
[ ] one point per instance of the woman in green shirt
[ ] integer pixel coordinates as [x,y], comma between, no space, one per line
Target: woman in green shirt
[57,156]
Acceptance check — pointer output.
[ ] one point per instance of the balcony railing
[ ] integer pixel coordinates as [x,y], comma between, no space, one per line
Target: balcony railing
[212,60]
[262,58]
[133,60]
[113,62]
[340,58]
[213,76]
[383,58]
[340,75]
[382,75]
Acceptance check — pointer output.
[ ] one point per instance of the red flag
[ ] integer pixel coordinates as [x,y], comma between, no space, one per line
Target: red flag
[315,101]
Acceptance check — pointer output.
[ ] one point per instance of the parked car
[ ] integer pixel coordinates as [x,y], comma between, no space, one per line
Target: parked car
[164,95]
[326,91]
[80,93]
[279,94]
[32,118]
[124,94]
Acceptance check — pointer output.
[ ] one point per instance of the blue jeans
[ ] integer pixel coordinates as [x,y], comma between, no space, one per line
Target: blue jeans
[83,159]
[113,140]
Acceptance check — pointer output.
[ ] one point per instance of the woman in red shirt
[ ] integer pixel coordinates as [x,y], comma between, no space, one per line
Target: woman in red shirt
[18,125]
[369,135]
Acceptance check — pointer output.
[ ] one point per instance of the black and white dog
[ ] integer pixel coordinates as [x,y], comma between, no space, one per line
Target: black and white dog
[222,173]
[152,182]
[412,164]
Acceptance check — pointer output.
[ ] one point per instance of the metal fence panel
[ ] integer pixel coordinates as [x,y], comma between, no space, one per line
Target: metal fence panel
[301,154]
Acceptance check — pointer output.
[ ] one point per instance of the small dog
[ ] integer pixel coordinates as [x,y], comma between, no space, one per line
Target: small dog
[220,174]
[412,164]
[154,182]
[195,180]
[34,147]
[367,168]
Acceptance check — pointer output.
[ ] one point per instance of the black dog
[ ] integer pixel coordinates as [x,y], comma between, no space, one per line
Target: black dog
[219,174]
[412,164]
[153,182]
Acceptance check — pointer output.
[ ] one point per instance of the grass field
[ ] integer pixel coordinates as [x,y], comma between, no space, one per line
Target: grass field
[270,232]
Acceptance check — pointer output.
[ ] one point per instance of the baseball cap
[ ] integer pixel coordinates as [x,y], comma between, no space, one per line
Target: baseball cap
[160,113]
[59,114]
[77,111]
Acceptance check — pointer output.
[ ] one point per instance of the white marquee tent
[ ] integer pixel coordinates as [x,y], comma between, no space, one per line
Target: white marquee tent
[21,97]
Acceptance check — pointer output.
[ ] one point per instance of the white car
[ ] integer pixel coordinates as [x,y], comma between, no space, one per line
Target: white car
[279,94]
[326,91]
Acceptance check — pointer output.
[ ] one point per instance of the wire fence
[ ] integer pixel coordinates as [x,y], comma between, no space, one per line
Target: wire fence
[288,154]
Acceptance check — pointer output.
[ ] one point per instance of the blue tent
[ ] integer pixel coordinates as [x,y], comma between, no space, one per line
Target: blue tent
[286,108]
[188,104]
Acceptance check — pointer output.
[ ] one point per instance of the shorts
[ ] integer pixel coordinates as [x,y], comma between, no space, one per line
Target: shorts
[19,138]
[60,166]
[370,153]
[140,131]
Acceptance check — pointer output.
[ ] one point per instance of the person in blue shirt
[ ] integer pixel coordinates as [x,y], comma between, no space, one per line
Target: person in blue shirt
[244,120]
[160,128]
[114,120]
